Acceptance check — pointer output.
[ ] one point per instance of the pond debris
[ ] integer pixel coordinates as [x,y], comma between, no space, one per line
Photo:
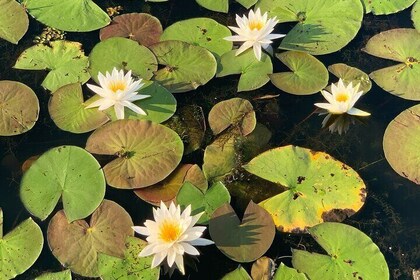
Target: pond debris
[48,35]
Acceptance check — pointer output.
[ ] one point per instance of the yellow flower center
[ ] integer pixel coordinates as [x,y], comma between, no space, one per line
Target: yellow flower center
[342,97]
[256,25]
[117,85]
[169,231]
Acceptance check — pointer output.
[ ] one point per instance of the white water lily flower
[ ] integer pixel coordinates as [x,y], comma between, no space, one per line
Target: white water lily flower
[172,234]
[255,31]
[119,91]
[342,100]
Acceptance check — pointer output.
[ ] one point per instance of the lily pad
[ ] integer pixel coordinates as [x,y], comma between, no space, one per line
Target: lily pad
[19,108]
[223,5]
[380,7]
[68,15]
[109,226]
[203,32]
[160,106]
[301,80]
[186,66]
[65,61]
[351,75]
[238,274]
[320,29]
[141,27]
[263,269]
[287,273]
[402,144]
[246,240]
[66,172]
[203,201]
[318,188]
[415,15]
[351,255]
[236,113]
[122,53]
[146,152]
[68,110]
[131,267]
[402,45]
[220,159]
[254,73]
[14,23]
[20,248]
[62,275]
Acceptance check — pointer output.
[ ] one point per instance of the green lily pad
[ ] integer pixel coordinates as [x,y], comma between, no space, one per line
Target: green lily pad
[62,275]
[68,15]
[402,144]
[246,240]
[402,45]
[203,32]
[121,53]
[131,267]
[351,255]
[235,113]
[106,233]
[167,189]
[160,106]
[351,75]
[146,152]
[287,273]
[238,274]
[141,27]
[415,15]
[20,248]
[65,61]
[301,80]
[318,188]
[68,110]
[19,108]
[68,172]
[14,23]
[223,5]
[320,29]
[254,73]
[380,7]
[203,201]
[263,269]
[186,66]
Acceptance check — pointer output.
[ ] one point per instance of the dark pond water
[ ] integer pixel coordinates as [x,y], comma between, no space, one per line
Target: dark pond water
[390,215]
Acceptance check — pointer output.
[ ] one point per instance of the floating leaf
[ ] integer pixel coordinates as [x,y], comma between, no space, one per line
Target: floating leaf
[186,66]
[19,108]
[122,53]
[223,5]
[68,15]
[287,273]
[351,75]
[20,248]
[318,188]
[159,107]
[320,29]
[203,201]
[196,176]
[415,15]
[62,275]
[351,255]
[402,144]
[236,113]
[238,274]
[402,45]
[146,152]
[65,61]
[301,80]
[246,240]
[14,23]
[263,269]
[131,267]
[203,32]
[254,73]
[220,159]
[247,3]
[68,110]
[77,244]
[380,7]
[68,172]
[143,28]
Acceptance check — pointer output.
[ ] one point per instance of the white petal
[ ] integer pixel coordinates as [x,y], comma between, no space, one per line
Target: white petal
[201,242]
[328,96]
[358,112]
[179,260]
[189,249]
[157,259]
[141,230]
[134,107]
[244,47]
[330,107]
[98,90]
[257,51]
[106,103]
[119,111]
[147,251]
[171,257]
[97,103]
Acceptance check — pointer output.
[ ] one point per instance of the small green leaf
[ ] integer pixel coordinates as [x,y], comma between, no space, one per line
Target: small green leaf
[14,23]
[287,273]
[238,274]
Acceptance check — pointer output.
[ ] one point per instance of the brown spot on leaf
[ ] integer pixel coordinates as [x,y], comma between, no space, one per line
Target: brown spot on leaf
[300,179]
[337,215]
[363,194]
